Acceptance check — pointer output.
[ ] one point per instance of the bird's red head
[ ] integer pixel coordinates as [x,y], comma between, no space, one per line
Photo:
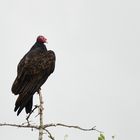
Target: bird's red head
[41,39]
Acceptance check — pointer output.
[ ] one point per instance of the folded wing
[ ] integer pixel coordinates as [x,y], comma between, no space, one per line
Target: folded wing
[33,70]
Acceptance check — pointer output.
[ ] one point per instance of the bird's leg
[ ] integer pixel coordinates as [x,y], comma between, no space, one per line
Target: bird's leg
[27,118]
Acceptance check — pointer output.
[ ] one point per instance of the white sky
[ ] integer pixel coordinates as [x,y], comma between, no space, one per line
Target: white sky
[97,75]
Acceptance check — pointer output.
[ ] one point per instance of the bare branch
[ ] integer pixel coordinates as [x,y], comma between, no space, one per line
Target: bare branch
[51,125]
[41,115]
[20,126]
[72,126]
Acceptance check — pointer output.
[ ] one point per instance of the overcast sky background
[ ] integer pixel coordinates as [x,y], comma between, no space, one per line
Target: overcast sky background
[97,75]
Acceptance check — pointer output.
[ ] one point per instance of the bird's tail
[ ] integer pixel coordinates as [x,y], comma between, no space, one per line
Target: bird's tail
[25,99]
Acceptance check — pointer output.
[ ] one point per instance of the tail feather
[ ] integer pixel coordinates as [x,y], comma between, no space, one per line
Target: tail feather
[28,107]
[27,103]
[22,101]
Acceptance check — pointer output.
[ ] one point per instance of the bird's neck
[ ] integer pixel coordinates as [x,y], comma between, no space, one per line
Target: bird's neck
[39,45]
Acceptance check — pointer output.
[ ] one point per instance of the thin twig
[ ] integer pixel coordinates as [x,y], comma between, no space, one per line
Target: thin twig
[24,123]
[72,126]
[50,135]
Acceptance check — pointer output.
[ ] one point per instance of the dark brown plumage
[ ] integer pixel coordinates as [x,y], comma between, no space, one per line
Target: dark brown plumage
[32,72]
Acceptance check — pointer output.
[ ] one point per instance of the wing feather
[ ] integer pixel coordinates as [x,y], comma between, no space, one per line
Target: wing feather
[33,64]
[36,63]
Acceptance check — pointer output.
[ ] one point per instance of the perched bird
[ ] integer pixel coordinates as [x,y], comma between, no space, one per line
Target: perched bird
[32,72]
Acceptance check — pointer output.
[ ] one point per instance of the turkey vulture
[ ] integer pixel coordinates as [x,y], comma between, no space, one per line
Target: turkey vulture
[32,72]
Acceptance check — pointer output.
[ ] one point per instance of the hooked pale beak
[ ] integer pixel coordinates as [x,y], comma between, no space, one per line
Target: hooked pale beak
[45,40]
